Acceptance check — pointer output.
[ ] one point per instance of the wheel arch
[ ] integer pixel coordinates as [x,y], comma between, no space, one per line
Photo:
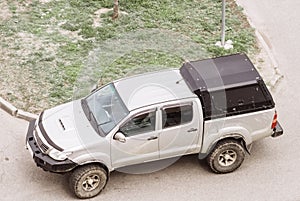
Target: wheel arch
[234,136]
[98,163]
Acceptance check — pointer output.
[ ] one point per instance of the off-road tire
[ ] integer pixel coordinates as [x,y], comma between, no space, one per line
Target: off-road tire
[227,156]
[88,181]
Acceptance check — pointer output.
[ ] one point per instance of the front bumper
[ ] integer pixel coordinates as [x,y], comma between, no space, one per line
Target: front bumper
[278,131]
[43,160]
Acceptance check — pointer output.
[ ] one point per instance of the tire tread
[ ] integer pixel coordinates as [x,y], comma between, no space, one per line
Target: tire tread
[78,173]
[221,145]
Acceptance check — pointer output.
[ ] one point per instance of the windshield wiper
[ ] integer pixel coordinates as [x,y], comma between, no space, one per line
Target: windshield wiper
[94,123]
[86,109]
[90,116]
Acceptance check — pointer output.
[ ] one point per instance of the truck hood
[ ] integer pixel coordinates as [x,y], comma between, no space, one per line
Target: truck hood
[66,124]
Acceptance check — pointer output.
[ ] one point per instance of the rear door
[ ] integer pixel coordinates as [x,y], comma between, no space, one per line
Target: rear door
[180,126]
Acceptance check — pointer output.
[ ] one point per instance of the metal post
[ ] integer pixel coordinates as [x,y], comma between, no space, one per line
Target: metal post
[223,23]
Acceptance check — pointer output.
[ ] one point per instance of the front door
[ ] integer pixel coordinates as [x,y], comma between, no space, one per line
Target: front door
[141,143]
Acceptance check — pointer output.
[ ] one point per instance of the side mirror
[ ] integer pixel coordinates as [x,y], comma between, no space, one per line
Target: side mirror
[120,137]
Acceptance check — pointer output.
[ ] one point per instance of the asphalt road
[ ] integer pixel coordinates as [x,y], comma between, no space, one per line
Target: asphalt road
[272,171]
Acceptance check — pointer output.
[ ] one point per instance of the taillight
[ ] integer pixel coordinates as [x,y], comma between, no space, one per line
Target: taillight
[274,122]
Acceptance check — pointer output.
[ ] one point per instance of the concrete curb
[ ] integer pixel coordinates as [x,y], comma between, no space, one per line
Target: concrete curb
[278,75]
[8,107]
[26,115]
[12,110]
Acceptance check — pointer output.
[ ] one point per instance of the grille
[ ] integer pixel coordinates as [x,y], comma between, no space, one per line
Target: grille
[40,143]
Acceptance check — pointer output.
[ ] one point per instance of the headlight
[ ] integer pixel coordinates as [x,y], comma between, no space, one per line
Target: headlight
[57,155]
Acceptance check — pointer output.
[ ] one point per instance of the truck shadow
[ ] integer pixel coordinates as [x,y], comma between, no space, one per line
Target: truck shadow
[190,161]
[157,170]
[149,173]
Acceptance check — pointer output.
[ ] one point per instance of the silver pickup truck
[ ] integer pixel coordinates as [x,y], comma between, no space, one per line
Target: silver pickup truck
[215,108]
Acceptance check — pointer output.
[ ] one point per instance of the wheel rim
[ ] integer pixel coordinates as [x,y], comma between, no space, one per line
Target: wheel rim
[91,182]
[227,158]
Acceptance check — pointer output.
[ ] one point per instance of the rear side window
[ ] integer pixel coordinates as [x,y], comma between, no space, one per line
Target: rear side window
[177,115]
[245,98]
[238,100]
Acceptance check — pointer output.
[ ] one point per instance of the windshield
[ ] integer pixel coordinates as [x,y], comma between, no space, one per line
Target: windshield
[104,109]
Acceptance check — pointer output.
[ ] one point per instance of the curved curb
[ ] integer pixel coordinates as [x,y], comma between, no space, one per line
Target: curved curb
[15,112]
[278,75]
[8,107]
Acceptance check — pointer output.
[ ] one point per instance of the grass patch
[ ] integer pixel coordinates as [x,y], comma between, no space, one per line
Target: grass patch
[138,62]
[46,45]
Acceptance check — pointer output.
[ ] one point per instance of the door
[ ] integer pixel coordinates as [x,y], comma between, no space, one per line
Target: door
[141,140]
[180,128]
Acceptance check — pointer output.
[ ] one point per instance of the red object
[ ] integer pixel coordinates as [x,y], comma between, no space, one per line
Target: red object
[274,122]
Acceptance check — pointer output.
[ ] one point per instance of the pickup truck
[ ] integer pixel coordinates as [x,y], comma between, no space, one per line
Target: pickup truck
[215,108]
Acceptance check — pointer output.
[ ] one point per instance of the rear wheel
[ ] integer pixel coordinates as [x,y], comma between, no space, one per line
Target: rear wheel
[88,181]
[226,157]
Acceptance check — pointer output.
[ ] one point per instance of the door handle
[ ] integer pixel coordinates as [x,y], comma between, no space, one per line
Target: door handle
[192,130]
[152,138]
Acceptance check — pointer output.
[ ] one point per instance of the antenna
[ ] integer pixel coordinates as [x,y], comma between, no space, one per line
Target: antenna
[179,81]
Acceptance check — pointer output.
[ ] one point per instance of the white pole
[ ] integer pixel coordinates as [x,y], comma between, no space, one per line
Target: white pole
[223,23]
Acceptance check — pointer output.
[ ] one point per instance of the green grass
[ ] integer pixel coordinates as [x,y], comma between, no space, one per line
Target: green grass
[49,45]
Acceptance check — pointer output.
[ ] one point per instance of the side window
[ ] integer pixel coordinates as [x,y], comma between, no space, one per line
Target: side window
[237,99]
[177,115]
[142,123]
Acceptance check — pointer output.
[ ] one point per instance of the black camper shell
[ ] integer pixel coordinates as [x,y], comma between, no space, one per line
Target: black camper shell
[227,85]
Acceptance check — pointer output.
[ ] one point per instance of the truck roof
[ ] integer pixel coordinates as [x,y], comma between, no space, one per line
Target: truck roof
[219,73]
[152,88]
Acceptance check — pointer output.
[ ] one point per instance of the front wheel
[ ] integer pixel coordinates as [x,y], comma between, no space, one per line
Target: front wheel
[88,181]
[226,157]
